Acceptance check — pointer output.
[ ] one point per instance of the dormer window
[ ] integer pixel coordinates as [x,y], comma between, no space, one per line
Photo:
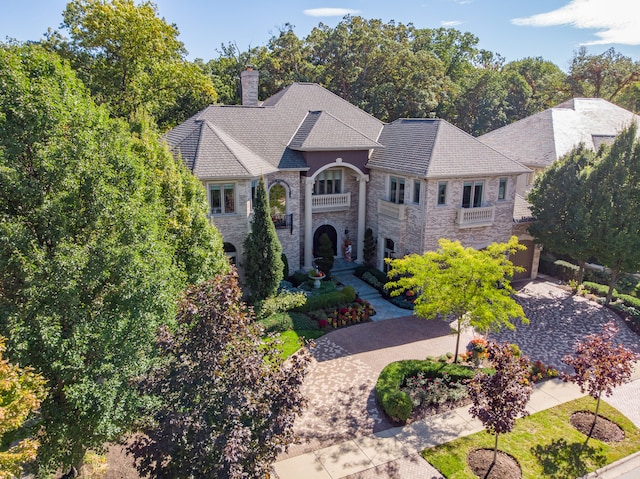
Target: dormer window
[328,182]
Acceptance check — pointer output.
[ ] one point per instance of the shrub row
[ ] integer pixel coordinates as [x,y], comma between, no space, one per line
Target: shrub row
[602,290]
[329,300]
[397,404]
[280,322]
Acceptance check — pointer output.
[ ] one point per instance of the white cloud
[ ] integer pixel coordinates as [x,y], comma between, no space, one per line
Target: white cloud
[614,20]
[450,23]
[330,12]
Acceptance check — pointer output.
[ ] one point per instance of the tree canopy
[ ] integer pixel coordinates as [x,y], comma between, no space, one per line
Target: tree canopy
[226,399]
[501,397]
[90,257]
[132,60]
[471,286]
[599,365]
[584,205]
[562,205]
[21,392]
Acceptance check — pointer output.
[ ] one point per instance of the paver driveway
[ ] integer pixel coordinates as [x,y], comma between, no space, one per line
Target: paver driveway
[557,319]
[340,386]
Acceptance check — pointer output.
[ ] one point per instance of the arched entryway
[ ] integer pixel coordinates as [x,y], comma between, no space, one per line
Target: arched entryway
[333,236]
[231,252]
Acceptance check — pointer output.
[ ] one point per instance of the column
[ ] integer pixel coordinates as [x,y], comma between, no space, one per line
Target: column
[308,223]
[362,200]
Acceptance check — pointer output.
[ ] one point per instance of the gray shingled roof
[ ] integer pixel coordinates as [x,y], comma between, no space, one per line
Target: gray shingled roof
[241,137]
[322,131]
[434,148]
[540,139]
[521,210]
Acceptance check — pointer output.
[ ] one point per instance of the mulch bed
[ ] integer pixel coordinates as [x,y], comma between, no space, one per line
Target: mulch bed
[481,463]
[604,430]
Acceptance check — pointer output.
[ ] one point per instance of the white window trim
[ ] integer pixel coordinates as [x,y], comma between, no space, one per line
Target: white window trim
[473,184]
[222,184]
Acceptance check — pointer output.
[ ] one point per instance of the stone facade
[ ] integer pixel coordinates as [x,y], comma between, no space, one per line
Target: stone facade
[426,222]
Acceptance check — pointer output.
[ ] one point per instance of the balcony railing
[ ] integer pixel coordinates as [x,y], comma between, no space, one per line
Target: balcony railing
[282,222]
[334,202]
[392,210]
[475,217]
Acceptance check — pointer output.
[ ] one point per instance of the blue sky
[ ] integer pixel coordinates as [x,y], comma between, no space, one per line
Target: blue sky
[552,29]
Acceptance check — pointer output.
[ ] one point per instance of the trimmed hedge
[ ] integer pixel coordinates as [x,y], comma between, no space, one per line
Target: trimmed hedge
[324,301]
[393,401]
[280,322]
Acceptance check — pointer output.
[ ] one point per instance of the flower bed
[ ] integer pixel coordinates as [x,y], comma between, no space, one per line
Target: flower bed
[347,314]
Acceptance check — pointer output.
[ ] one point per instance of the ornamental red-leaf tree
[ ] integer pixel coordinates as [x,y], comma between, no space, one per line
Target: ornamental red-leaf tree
[226,400]
[500,398]
[600,365]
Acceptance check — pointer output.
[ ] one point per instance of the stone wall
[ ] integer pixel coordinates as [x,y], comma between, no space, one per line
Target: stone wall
[290,240]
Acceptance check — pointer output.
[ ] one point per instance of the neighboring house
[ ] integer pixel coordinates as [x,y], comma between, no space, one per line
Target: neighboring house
[540,139]
[333,168]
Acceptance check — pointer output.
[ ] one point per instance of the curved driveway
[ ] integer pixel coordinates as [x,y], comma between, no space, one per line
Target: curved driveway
[340,386]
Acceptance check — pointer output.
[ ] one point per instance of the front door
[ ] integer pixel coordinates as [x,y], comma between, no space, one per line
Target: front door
[333,236]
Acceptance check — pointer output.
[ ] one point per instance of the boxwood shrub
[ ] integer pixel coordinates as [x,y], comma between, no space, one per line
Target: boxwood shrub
[328,300]
[393,401]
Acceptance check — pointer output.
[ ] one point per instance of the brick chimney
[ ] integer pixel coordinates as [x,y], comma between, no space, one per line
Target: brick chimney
[249,81]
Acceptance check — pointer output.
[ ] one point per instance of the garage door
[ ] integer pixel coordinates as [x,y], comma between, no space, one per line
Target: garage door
[524,259]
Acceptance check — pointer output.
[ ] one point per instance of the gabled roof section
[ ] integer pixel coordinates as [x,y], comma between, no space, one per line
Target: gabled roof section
[322,131]
[540,139]
[219,155]
[434,148]
[266,131]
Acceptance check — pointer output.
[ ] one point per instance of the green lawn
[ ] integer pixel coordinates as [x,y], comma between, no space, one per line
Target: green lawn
[544,444]
[293,340]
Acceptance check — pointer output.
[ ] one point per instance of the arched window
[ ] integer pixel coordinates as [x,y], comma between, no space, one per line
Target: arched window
[278,199]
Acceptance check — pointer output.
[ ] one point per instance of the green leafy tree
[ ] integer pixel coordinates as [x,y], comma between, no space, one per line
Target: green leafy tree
[21,392]
[501,397]
[132,60]
[562,203]
[325,258]
[599,365]
[227,398]
[262,250]
[602,76]
[87,266]
[471,286]
[614,187]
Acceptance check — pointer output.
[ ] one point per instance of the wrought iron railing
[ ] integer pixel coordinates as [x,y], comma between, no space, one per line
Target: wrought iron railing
[283,222]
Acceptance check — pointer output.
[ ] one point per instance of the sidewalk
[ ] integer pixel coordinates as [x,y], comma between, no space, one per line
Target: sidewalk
[395,453]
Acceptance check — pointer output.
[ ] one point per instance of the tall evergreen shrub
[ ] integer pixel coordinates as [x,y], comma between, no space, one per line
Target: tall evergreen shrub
[262,250]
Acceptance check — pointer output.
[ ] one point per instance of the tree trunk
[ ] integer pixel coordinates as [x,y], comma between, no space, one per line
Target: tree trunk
[612,284]
[495,451]
[581,266]
[455,356]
